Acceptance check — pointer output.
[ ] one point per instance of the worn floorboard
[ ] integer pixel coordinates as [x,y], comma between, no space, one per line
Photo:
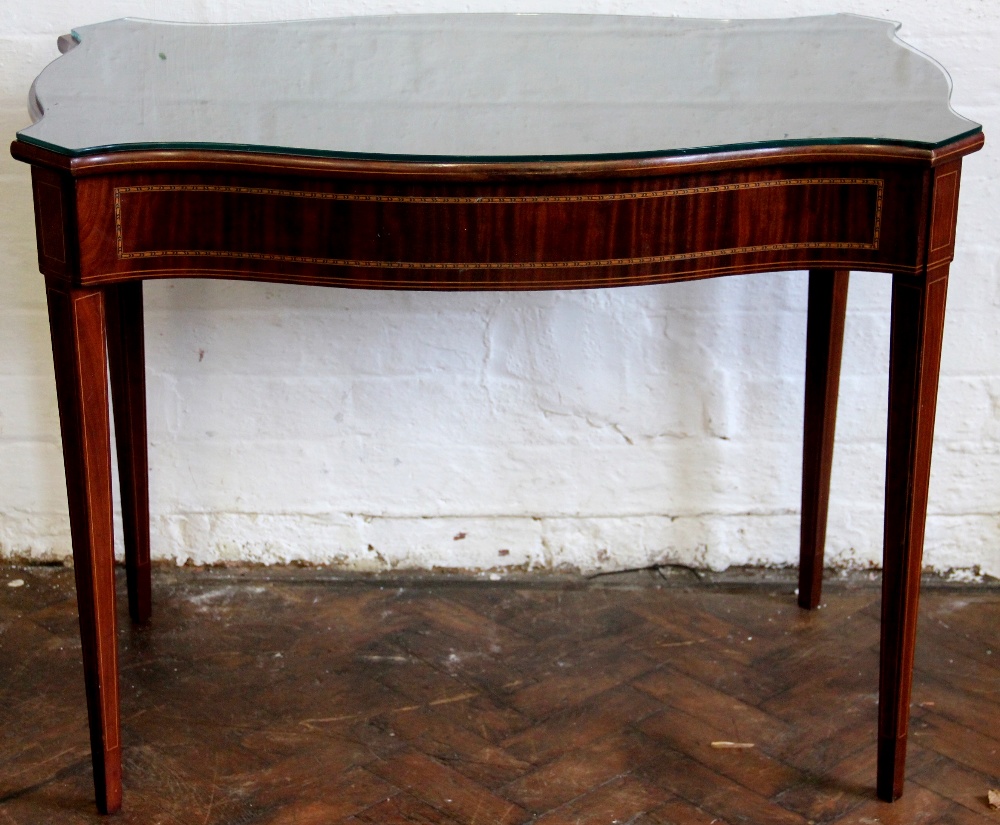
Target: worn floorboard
[268,696]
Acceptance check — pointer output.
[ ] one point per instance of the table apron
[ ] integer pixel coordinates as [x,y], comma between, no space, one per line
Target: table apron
[467,236]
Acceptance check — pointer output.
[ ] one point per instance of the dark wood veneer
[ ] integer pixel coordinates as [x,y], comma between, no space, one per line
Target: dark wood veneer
[127,369]
[824,347]
[107,222]
[488,237]
[510,235]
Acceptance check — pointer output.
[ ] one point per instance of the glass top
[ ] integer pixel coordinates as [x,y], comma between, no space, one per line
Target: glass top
[486,87]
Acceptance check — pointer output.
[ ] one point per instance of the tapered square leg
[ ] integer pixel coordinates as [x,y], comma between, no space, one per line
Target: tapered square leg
[914,362]
[126,360]
[824,346]
[77,323]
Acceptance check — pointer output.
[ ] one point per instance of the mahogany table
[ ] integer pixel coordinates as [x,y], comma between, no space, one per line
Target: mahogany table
[490,152]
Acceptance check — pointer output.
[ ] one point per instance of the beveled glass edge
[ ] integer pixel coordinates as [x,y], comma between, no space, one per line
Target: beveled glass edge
[893,28]
[608,156]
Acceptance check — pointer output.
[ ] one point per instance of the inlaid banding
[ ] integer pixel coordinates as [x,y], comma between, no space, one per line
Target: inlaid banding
[497,232]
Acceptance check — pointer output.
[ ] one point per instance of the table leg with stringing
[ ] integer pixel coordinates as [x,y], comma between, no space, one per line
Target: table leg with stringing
[918,309]
[77,323]
[917,324]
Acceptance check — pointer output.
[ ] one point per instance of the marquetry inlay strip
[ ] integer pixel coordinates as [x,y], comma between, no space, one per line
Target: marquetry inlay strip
[878,183]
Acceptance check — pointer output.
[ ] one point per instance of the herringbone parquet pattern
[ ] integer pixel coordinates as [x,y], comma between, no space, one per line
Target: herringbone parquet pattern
[263,697]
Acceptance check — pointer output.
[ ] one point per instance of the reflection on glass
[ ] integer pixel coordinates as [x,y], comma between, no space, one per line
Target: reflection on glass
[493,86]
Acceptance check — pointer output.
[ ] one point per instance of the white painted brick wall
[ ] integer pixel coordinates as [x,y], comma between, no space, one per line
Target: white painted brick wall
[592,430]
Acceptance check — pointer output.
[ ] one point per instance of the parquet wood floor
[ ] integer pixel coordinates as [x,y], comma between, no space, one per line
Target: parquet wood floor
[279,697]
